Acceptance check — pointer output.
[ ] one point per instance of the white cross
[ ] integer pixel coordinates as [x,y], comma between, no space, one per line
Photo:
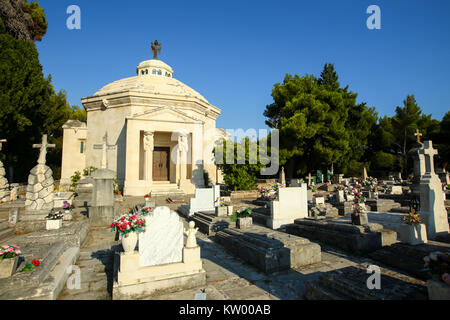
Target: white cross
[43,146]
[429,153]
[309,179]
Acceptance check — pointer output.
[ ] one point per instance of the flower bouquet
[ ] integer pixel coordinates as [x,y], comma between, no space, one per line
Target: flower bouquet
[148,195]
[146,211]
[68,206]
[128,223]
[9,256]
[339,188]
[412,218]
[128,226]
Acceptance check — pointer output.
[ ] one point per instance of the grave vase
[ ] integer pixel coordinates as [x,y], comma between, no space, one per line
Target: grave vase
[361,219]
[319,200]
[8,267]
[340,196]
[413,234]
[129,242]
[53,224]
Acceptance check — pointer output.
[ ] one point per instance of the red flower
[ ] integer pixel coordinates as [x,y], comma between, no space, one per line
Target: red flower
[35,262]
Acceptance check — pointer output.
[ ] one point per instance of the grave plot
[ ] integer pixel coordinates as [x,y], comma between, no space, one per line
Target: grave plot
[162,263]
[342,234]
[351,283]
[269,250]
[46,280]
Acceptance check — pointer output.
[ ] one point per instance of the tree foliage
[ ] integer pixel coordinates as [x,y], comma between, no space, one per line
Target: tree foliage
[30,107]
[23,20]
[320,123]
[237,175]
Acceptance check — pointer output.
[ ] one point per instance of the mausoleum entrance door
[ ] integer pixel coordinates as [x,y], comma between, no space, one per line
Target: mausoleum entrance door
[161,164]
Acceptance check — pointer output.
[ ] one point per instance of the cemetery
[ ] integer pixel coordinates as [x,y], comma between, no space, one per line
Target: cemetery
[136,195]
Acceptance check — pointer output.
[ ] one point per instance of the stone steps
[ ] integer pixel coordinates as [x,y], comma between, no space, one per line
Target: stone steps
[96,268]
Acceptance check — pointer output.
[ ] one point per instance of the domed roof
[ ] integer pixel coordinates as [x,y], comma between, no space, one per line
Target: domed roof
[155,77]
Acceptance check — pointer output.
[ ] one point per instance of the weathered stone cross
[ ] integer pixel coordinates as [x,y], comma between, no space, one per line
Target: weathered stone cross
[429,153]
[105,146]
[418,135]
[43,146]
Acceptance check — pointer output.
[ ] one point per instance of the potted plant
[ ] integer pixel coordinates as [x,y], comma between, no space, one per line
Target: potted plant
[54,220]
[350,194]
[67,210]
[437,266]
[339,193]
[318,198]
[413,231]
[9,256]
[128,226]
[242,217]
[221,209]
[359,215]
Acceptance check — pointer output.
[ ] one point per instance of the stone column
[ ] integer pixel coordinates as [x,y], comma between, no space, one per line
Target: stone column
[182,160]
[149,146]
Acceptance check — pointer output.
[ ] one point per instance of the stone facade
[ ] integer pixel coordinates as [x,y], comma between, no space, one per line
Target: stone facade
[163,132]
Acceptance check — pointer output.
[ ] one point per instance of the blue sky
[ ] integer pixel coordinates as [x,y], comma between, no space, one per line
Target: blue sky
[233,52]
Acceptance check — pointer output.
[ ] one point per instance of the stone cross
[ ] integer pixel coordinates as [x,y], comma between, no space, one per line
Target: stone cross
[104,146]
[418,135]
[309,179]
[429,153]
[1,143]
[43,146]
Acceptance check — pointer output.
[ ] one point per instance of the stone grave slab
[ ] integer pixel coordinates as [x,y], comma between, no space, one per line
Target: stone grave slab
[47,280]
[208,223]
[269,250]
[343,234]
[350,283]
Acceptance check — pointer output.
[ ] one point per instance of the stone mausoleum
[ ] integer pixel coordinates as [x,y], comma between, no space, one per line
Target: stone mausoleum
[159,133]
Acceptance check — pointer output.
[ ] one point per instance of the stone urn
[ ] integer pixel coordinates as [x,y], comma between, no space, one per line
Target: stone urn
[438,290]
[8,267]
[360,219]
[129,242]
[413,234]
[53,224]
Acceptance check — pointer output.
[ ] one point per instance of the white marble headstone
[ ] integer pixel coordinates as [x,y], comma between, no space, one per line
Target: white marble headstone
[162,242]
[205,199]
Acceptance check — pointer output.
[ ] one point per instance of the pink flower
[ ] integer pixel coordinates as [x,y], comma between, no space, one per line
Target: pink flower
[446,278]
